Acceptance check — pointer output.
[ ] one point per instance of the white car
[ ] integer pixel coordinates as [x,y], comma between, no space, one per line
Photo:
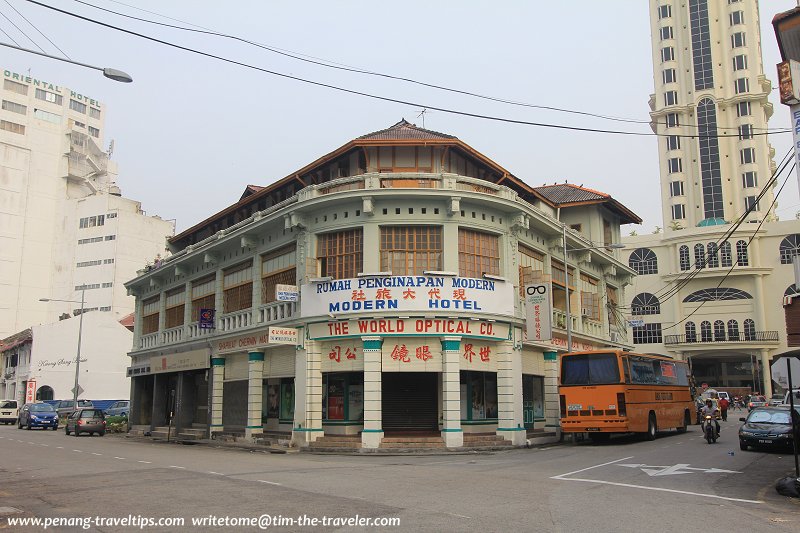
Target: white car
[9,411]
[796,398]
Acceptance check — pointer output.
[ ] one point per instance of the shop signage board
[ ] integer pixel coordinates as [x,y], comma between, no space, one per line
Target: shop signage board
[178,362]
[409,327]
[278,335]
[439,294]
[30,391]
[539,312]
[286,293]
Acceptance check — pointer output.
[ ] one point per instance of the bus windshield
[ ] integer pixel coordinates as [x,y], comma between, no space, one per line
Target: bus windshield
[590,369]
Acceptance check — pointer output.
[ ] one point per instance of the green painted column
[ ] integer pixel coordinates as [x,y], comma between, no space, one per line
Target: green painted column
[551,408]
[372,434]
[452,433]
[255,387]
[217,377]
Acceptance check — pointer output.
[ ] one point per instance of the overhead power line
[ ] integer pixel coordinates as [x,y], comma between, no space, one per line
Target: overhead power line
[22,32]
[369,95]
[37,29]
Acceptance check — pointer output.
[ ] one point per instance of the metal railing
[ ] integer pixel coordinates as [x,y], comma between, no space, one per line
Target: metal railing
[756,336]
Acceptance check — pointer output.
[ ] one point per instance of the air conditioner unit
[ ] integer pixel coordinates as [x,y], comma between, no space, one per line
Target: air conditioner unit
[586,312]
[616,337]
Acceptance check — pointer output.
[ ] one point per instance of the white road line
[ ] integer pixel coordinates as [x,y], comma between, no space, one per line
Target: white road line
[44,445]
[216,473]
[29,442]
[95,453]
[273,483]
[601,482]
[146,462]
[181,467]
[59,447]
[79,451]
[561,476]
[459,515]
[119,458]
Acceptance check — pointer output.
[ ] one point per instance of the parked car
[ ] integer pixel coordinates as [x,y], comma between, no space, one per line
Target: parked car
[9,411]
[33,415]
[86,420]
[785,400]
[722,394]
[65,407]
[777,399]
[756,401]
[119,408]
[768,427]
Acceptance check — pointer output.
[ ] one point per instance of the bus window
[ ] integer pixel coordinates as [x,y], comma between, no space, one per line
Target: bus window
[590,369]
[626,370]
[642,372]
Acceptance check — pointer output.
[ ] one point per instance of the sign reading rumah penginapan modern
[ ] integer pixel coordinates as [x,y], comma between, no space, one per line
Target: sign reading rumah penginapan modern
[407,294]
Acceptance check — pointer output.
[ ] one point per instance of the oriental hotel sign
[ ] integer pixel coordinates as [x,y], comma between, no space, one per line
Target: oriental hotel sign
[407,294]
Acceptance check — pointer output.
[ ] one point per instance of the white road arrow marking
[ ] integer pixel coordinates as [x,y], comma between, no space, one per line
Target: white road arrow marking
[681,468]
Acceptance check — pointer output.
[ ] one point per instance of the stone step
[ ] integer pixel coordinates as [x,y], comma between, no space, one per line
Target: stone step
[190,436]
[335,444]
[341,438]
[412,444]
[412,439]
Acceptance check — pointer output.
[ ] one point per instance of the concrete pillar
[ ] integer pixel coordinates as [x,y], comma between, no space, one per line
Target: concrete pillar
[510,422]
[162,316]
[452,433]
[187,309]
[219,297]
[373,410]
[766,373]
[217,377]
[255,387]
[137,324]
[552,408]
[307,425]
[256,289]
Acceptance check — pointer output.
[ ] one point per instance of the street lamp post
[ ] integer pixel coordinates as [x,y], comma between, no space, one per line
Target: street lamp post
[80,333]
[566,277]
[110,73]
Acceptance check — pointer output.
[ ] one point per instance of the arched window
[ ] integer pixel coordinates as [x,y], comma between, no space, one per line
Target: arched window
[643,261]
[733,330]
[683,253]
[713,255]
[791,290]
[719,330]
[705,331]
[749,330]
[717,295]
[790,247]
[44,393]
[725,253]
[741,254]
[691,332]
[699,255]
[645,304]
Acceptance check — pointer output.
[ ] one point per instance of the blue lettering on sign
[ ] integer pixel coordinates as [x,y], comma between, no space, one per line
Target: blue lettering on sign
[367,305]
[454,304]
[470,283]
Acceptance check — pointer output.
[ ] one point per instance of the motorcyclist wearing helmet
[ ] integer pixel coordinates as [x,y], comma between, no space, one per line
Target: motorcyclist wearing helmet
[710,410]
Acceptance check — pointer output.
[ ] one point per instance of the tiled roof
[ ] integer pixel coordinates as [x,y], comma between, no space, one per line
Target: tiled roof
[16,339]
[566,193]
[404,130]
[250,189]
[127,321]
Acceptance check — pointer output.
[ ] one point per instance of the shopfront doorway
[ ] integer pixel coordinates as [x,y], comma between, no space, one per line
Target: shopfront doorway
[410,402]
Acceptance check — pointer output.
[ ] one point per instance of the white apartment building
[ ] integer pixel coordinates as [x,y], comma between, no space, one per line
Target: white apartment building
[708,290]
[63,222]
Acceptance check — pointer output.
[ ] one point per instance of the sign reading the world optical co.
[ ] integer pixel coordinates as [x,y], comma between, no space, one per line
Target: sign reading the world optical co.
[539,312]
[407,294]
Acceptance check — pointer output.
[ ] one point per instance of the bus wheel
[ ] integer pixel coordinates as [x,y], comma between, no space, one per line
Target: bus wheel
[687,419]
[651,427]
[597,438]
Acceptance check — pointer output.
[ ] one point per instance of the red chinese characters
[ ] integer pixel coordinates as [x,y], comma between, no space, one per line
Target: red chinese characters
[424,353]
[336,353]
[468,353]
[400,353]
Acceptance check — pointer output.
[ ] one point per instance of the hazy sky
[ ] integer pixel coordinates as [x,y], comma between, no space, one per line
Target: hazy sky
[191,132]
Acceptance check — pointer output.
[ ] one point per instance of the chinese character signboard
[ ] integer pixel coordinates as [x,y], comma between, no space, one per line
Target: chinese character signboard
[286,293]
[342,356]
[177,362]
[207,319]
[407,294]
[282,335]
[30,392]
[539,312]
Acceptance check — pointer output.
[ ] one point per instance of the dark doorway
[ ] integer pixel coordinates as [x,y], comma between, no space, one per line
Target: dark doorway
[410,402]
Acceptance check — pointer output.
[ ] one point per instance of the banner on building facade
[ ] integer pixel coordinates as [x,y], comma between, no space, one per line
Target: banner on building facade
[428,327]
[207,318]
[177,362]
[30,392]
[539,311]
[278,335]
[407,294]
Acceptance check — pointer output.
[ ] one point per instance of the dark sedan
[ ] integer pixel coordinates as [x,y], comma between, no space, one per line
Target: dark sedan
[37,415]
[768,427]
[86,420]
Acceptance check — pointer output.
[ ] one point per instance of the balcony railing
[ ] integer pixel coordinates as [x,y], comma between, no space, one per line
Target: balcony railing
[172,335]
[149,341]
[236,320]
[755,337]
[275,311]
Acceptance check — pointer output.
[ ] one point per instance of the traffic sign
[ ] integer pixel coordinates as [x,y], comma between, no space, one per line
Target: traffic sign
[780,371]
[80,390]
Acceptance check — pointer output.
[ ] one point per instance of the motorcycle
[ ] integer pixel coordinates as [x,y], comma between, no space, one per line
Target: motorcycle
[710,430]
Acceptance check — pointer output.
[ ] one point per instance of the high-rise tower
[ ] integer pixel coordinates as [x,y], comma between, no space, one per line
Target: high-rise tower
[710,109]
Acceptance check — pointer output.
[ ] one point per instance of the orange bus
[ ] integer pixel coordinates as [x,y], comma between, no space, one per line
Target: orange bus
[614,391]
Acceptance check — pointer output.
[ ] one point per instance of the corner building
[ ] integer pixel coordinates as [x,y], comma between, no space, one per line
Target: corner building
[376,293]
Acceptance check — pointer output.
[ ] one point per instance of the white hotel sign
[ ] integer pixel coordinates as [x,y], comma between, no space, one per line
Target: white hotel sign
[407,294]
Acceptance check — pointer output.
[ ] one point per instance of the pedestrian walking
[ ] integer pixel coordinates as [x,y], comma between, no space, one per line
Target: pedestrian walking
[723,407]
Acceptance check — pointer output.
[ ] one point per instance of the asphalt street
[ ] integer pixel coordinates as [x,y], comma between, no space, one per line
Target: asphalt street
[626,484]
